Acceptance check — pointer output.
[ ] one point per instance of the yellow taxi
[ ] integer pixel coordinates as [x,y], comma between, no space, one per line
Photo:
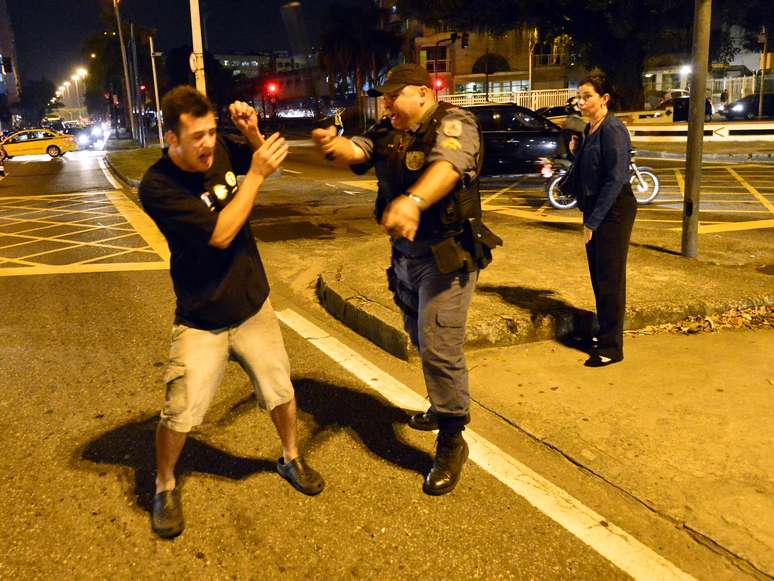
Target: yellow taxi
[37,141]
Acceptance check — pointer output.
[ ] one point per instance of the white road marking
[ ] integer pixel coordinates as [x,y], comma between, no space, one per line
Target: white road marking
[285,170]
[350,193]
[108,175]
[610,541]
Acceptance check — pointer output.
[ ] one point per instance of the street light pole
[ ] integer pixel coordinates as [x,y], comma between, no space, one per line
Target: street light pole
[196,35]
[765,34]
[153,56]
[701,35]
[128,105]
[77,96]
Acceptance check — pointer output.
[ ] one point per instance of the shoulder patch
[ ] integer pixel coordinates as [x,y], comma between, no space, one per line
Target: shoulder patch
[451,143]
[452,128]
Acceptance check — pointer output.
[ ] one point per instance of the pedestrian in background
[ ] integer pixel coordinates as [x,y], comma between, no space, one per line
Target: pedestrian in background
[428,158]
[223,308]
[609,207]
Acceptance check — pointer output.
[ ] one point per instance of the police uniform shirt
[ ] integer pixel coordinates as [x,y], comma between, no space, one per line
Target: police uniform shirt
[215,288]
[456,140]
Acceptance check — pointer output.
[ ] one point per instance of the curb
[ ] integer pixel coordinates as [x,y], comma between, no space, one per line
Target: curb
[384,327]
[738,157]
[117,174]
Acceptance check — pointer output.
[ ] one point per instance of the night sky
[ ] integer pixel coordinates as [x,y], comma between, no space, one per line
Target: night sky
[49,33]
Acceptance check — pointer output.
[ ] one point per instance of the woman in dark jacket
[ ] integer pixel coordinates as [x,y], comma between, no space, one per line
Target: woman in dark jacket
[601,183]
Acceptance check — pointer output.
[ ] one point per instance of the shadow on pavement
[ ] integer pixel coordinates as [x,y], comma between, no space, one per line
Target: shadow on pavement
[329,407]
[574,326]
[371,419]
[656,248]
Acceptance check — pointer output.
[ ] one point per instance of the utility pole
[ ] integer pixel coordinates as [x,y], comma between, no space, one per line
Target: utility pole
[128,106]
[701,33]
[198,53]
[763,37]
[136,85]
[153,56]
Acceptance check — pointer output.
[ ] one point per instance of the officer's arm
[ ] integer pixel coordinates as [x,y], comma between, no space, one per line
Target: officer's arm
[341,151]
[434,184]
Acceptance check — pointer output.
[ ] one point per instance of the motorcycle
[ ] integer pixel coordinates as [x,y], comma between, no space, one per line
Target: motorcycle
[644,182]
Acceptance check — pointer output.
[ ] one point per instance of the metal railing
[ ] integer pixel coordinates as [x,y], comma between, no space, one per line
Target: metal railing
[530,99]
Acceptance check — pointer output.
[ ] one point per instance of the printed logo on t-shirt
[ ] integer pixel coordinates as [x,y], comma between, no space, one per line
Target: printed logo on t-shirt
[231,178]
[208,200]
[221,191]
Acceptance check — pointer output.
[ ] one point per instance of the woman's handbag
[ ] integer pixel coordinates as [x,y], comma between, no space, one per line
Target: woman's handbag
[567,184]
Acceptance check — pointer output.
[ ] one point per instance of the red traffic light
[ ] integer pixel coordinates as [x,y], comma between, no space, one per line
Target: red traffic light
[440,84]
[142,88]
[272,88]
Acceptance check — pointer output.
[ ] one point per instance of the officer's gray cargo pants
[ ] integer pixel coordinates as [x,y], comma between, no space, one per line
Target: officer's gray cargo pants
[435,308]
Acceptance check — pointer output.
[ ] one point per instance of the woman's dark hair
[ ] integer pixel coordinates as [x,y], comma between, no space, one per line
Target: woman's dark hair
[180,100]
[601,85]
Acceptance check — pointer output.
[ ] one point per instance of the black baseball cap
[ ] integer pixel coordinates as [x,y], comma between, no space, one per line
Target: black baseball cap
[400,76]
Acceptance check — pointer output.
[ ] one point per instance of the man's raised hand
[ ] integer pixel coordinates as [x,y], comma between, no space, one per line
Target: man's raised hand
[245,119]
[268,157]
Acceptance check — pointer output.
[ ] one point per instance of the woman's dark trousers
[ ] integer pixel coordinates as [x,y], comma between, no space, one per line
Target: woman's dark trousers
[606,253]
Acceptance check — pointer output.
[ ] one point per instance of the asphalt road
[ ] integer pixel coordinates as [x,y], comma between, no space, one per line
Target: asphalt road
[731,193]
[87,308]
[83,355]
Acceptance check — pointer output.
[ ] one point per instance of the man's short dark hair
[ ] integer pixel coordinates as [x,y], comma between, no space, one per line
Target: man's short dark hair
[180,100]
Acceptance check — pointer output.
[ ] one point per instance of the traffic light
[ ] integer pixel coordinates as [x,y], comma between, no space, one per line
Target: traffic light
[465,40]
[439,83]
[142,88]
[272,88]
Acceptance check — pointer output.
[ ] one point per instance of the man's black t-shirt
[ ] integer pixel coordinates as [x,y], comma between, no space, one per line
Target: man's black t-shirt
[215,288]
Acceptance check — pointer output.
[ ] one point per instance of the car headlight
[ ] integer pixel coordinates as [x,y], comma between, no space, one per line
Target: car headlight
[96,131]
[738,107]
[83,140]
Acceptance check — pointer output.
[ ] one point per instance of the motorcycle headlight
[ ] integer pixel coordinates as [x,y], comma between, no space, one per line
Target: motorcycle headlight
[738,107]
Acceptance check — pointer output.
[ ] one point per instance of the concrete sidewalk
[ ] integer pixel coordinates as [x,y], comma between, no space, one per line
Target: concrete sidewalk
[538,286]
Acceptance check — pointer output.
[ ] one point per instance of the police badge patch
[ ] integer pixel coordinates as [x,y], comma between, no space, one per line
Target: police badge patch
[452,128]
[415,160]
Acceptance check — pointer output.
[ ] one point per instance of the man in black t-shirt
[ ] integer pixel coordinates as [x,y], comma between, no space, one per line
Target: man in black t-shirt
[223,309]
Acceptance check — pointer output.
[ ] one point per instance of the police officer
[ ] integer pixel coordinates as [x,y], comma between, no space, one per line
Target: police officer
[428,158]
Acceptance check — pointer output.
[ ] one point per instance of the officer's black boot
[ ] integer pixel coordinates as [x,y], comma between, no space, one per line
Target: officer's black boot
[451,451]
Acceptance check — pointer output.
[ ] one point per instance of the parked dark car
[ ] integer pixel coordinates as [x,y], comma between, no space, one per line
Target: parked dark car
[747,107]
[680,106]
[515,138]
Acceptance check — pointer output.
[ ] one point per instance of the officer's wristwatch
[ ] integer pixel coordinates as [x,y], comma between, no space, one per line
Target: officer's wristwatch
[421,202]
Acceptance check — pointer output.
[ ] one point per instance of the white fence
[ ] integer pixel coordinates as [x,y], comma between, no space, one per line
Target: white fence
[735,88]
[530,99]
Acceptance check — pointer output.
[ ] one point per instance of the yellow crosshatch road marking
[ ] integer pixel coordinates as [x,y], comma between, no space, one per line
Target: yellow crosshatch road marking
[766,204]
[77,233]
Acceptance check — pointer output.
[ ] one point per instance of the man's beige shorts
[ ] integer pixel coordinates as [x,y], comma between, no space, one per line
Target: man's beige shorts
[197,363]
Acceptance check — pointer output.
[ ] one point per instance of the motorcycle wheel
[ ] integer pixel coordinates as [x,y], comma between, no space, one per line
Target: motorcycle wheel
[556,198]
[646,189]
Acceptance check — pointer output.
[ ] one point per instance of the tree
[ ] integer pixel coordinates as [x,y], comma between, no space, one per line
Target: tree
[354,45]
[614,35]
[35,99]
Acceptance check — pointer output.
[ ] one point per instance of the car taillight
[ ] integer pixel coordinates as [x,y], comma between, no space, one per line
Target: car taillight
[69,138]
[547,171]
